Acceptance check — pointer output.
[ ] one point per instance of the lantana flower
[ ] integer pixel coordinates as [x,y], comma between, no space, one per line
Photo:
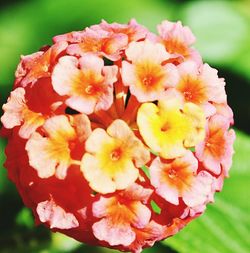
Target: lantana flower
[119,215]
[216,150]
[171,127]
[41,64]
[112,158]
[57,217]
[53,152]
[179,178]
[178,40]
[100,43]
[118,137]
[147,77]
[88,88]
[17,112]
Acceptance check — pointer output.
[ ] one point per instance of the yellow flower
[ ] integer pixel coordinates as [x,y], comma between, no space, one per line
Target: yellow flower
[112,158]
[170,127]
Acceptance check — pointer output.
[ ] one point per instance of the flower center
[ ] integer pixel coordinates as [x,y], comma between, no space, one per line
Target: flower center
[89,89]
[172,173]
[165,127]
[116,154]
[208,144]
[147,81]
[188,95]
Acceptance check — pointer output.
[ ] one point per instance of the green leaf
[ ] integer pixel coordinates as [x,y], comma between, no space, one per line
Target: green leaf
[225,226]
[3,173]
[155,207]
[214,24]
[243,56]
[63,243]
[25,218]
[145,170]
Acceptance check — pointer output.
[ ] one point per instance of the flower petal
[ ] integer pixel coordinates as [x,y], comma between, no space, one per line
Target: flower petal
[95,141]
[146,50]
[215,85]
[217,146]
[13,109]
[131,173]
[88,88]
[147,236]
[55,216]
[51,154]
[114,234]
[200,190]
[98,180]
[64,74]
[173,178]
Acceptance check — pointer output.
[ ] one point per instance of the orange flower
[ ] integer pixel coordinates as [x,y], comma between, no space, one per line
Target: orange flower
[100,43]
[89,88]
[216,150]
[117,136]
[17,113]
[178,40]
[179,178]
[51,155]
[120,215]
[40,65]
[146,77]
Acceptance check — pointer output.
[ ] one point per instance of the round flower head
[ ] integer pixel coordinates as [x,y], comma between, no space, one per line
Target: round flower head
[118,137]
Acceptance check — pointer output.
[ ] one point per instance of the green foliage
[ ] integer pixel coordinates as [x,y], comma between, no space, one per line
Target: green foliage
[217,40]
[155,207]
[63,243]
[146,170]
[25,218]
[225,226]
[221,28]
[3,182]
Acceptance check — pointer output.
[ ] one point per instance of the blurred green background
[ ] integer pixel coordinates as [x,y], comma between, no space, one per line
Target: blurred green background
[222,29]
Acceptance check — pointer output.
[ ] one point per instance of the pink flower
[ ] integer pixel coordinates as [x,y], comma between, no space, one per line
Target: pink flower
[146,77]
[201,86]
[147,236]
[16,113]
[39,65]
[178,40]
[133,30]
[100,43]
[56,216]
[217,149]
[28,108]
[119,216]
[179,178]
[88,88]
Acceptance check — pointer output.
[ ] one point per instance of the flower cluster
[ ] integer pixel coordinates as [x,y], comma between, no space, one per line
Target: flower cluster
[116,136]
